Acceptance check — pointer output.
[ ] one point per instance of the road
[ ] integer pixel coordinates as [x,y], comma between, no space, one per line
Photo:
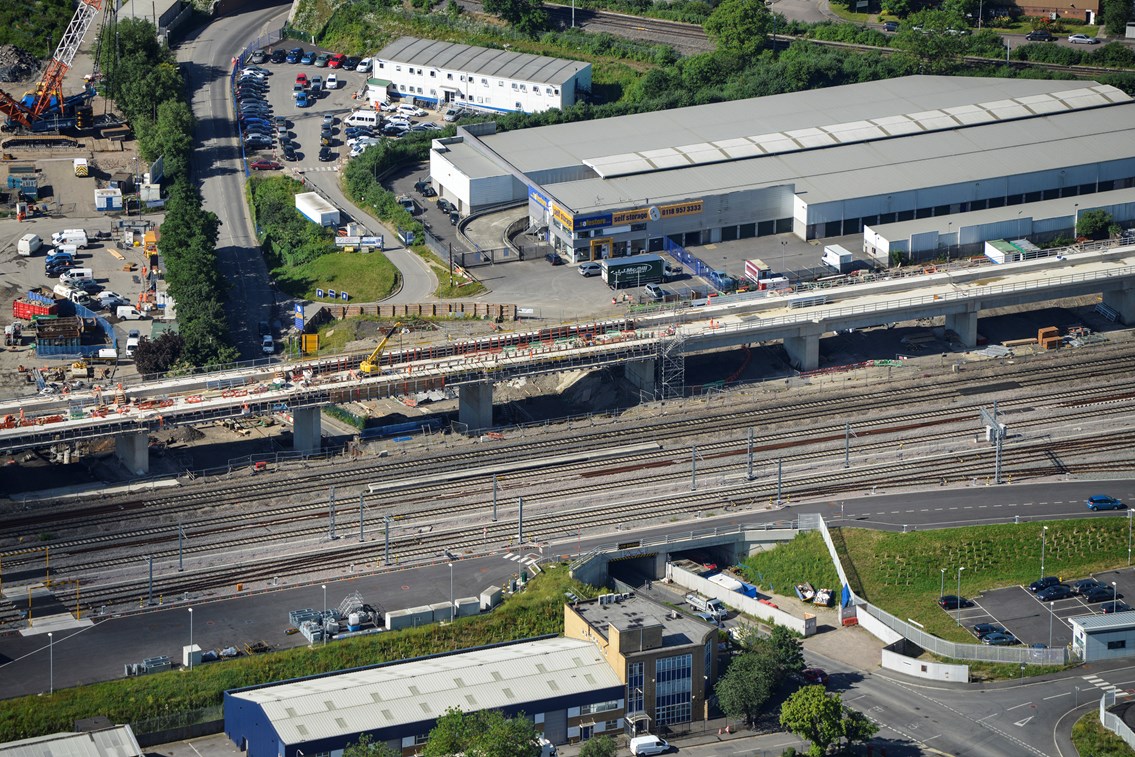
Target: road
[205,57]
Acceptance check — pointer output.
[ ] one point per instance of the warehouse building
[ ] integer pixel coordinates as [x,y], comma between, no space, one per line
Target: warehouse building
[1103,637]
[480,78]
[103,740]
[559,683]
[667,660]
[819,163]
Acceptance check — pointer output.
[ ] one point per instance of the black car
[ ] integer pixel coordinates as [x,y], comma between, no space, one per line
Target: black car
[279,56]
[1052,593]
[351,63]
[290,154]
[1111,607]
[454,217]
[52,271]
[358,131]
[325,154]
[999,639]
[952,602]
[1040,35]
[445,206]
[1100,594]
[891,26]
[1085,585]
[981,629]
[89,286]
[554,259]
[1043,583]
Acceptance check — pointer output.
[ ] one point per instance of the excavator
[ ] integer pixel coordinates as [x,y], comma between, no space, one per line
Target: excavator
[45,107]
[371,363]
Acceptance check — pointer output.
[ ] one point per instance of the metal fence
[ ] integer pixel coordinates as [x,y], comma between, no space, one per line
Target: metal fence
[928,641]
[1113,722]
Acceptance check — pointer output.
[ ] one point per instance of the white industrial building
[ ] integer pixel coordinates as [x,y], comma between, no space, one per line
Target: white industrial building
[1103,637]
[819,163]
[100,741]
[480,78]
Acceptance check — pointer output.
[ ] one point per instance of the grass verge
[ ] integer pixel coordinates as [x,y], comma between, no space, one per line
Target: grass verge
[367,278]
[1093,740]
[536,611]
[805,558]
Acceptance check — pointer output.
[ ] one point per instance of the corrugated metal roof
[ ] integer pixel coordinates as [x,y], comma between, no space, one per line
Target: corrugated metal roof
[1114,622]
[417,690]
[481,60]
[903,163]
[118,741]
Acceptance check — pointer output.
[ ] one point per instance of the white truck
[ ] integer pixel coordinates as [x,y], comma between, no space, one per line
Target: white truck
[28,245]
[711,607]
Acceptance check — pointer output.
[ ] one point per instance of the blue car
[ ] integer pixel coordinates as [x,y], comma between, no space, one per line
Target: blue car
[1104,502]
[308,58]
[302,100]
[294,55]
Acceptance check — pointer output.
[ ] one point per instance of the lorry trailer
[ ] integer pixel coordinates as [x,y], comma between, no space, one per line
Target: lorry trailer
[637,270]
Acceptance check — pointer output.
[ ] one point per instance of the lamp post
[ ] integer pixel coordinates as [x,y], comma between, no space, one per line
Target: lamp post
[1129,538]
[50,663]
[324,618]
[1043,544]
[451,611]
[191,638]
[960,595]
[1114,596]
[942,584]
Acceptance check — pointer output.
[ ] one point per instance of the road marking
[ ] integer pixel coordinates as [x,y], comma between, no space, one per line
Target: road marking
[1023,704]
[1021,723]
[1057,696]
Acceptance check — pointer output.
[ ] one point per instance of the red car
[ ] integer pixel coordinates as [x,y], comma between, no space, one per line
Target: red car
[815,676]
[336,60]
[265,165]
[301,79]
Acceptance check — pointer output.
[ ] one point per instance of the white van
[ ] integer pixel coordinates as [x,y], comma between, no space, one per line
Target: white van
[648,745]
[28,245]
[363,118]
[131,343]
[77,237]
[72,275]
[128,313]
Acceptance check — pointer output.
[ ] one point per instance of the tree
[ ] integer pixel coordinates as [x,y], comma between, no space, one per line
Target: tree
[365,747]
[739,26]
[1116,14]
[158,355]
[482,734]
[933,37]
[746,687]
[784,652]
[813,714]
[599,746]
[1093,223]
[527,16]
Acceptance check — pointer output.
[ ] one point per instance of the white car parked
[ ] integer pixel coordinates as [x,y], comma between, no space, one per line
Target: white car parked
[332,82]
[364,66]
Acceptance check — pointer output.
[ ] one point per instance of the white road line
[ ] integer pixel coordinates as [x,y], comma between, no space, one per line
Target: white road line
[1022,704]
[1057,696]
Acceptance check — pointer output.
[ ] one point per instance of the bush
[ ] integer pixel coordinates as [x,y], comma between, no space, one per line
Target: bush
[289,238]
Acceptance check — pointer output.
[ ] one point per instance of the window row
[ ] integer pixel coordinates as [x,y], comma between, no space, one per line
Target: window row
[538,89]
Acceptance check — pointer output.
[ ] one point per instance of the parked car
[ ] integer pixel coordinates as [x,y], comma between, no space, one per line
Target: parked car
[1053,593]
[1084,585]
[351,63]
[258,57]
[302,100]
[981,629]
[427,126]
[999,639]
[654,292]
[891,26]
[290,154]
[445,205]
[332,81]
[295,55]
[1111,607]
[1082,39]
[1040,35]
[554,258]
[265,165]
[647,745]
[590,268]
[394,130]
[308,58]
[1103,502]
[363,66]
[325,154]
[336,60]
[814,676]
[279,56]
[322,60]
[1043,583]
[256,70]
[301,79]
[1100,594]
[952,602]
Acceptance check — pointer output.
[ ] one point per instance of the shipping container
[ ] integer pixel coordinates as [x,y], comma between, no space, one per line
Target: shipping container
[637,270]
[837,258]
[24,309]
[317,209]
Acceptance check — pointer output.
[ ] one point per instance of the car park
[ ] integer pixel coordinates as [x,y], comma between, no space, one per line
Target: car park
[952,602]
[1103,502]
[1040,35]
[999,639]
[1053,593]
[363,66]
[295,55]
[308,58]
[279,56]
[265,165]
[322,60]
[1043,583]
[1082,39]
[336,60]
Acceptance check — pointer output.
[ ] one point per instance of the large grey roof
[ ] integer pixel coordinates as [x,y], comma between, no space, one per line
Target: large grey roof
[481,60]
[118,741]
[1114,622]
[418,690]
[636,612]
[835,135]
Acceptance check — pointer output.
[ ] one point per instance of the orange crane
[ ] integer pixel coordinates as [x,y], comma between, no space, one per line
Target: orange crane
[49,92]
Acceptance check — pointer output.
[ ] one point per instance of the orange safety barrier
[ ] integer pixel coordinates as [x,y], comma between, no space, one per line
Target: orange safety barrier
[194,399]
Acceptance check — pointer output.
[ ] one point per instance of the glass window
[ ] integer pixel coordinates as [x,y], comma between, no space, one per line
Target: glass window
[635,701]
[449,76]
[421,738]
[398,69]
[1121,644]
[591,709]
[673,687]
[433,74]
[484,82]
[515,86]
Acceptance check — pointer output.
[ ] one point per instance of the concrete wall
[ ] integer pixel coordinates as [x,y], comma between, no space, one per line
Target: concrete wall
[901,656]
[872,625]
[805,626]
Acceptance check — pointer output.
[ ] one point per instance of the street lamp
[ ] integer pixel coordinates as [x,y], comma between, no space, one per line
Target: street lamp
[324,618]
[1043,544]
[451,612]
[960,595]
[942,584]
[1114,596]
[50,663]
[1129,537]
[191,638]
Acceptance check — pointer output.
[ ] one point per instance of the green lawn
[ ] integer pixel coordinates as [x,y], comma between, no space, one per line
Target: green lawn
[805,558]
[902,573]
[1093,740]
[366,278]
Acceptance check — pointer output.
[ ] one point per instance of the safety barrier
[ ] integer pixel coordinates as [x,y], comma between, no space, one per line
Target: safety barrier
[1113,722]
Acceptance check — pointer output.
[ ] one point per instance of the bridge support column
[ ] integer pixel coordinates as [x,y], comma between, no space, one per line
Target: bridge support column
[642,374]
[307,433]
[133,450]
[475,405]
[1122,301]
[803,351]
[964,325]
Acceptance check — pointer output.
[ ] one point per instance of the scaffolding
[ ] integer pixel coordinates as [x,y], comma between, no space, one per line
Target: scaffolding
[672,362]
